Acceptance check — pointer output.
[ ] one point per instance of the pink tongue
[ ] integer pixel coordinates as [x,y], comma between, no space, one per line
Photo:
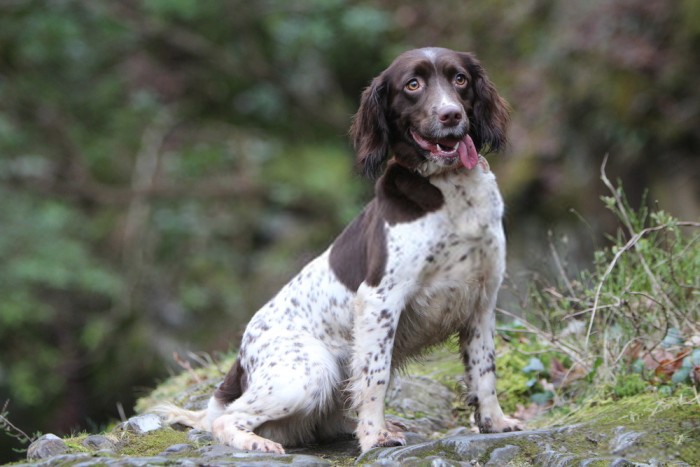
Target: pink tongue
[467,153]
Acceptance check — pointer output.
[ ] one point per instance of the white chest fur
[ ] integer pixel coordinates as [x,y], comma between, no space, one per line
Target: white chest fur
[453,259]
[462,239]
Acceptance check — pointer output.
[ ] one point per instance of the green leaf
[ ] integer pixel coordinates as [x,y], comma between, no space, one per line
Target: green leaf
[535,365]
[695,357]
[591,374]
[638,366]
[541,398]
[673,338]
[681,375]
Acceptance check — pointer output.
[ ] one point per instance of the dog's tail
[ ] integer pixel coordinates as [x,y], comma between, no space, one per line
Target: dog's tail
[172,414]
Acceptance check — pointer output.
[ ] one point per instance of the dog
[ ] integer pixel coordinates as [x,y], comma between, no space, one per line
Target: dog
[422,262]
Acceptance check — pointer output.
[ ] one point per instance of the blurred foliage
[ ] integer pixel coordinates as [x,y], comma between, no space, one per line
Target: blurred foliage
[166,165]
[629,324]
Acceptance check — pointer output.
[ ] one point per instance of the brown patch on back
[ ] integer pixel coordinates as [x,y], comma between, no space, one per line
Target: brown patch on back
[359,254]
[233,385]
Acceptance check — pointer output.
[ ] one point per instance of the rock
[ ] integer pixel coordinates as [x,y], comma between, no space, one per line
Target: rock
[459,431]
[99,443]
[135,461]
[425,408]
[609,461]
[554,457]
[423,427]
[81,459]
[200,436]
[144,423]
[460,449]
[624,440]
[219,454]
[501,456]
[414,438]
[177,449]
[619,462]
[309,461]
[432,461]
[48,445]
[197,402]
[418,396]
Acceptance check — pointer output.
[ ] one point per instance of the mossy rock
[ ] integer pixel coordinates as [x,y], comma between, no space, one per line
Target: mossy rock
[642,428]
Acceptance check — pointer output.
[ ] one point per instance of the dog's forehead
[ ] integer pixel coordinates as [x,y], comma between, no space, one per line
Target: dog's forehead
[426,58]
[434,53]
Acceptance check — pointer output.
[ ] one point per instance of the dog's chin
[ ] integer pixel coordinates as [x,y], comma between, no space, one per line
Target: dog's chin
[432,164]
[409,155]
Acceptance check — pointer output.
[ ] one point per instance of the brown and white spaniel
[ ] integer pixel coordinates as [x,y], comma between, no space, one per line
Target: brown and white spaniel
[422,262]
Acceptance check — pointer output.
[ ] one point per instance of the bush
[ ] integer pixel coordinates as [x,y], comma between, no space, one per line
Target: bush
[632,321]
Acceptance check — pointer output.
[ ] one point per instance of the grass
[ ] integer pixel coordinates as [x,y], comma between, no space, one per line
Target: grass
[629,325]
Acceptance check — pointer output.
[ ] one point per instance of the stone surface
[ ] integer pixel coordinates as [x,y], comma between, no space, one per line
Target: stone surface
[99,443]
[420,396]
[200,436]
[501,456]
[197,402]
[177,449]
[425,408]
[48,445]
[624,440]
[144,423]
[467,448]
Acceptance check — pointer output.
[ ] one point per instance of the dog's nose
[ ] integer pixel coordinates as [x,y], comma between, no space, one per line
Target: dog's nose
[450,115]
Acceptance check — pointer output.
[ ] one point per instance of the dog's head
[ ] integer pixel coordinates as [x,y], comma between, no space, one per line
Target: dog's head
[432,109]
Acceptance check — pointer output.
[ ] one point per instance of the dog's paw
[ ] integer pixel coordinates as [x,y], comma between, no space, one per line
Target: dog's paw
[389,438]
[498,424]
[246,440]
[260,444]
[382,438]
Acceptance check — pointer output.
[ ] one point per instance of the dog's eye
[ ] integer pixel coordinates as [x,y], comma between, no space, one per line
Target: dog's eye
[413,85]
[460,79]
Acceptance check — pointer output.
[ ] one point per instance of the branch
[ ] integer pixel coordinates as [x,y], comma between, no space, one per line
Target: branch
[548,337]
[10,429]
[630,244]
[626,220]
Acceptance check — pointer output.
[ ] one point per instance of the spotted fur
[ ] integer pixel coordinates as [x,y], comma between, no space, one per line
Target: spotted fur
[422,262]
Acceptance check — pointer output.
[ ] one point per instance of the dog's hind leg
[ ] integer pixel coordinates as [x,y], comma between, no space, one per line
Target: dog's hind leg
[236,429]
[284,399]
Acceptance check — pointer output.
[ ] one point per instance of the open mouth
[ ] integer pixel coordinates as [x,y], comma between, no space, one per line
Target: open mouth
[449,147]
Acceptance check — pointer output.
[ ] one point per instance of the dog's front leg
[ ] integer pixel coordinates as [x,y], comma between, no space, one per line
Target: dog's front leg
[376,320]
[479,356]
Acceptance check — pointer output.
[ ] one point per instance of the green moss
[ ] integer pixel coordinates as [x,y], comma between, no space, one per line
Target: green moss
[525,457]
[75,443]
[629,384]
[150,444]
[180,387]
[670,425]
[669,429]
[512,381]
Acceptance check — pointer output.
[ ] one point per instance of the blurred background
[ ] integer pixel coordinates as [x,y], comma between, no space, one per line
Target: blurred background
[166,165]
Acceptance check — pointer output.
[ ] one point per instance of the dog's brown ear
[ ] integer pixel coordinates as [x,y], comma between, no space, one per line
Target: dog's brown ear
[489,115]
[370,130]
